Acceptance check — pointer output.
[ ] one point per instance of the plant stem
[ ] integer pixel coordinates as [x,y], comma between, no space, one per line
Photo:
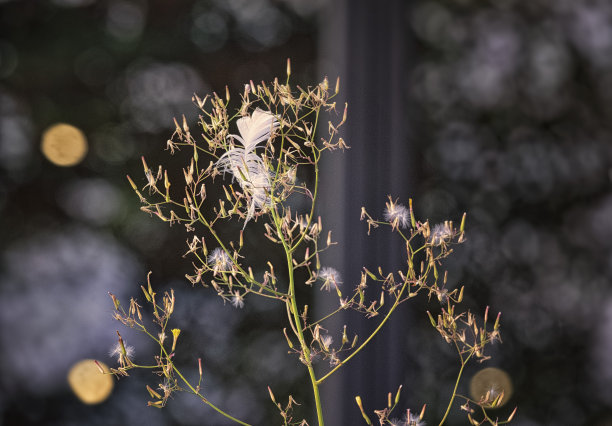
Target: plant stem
[450,403]
[293,311]
[262,287]
[300,335]
[193,390]
[206,401]
[370,337]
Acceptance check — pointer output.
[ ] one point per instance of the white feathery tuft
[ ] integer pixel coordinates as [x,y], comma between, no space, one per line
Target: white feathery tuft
[256,128]
[244,164]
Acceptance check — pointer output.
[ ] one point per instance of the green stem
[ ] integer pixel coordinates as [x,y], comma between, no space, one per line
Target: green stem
[331,314]
[370,337]
[206,401]
[242,271]
[297,320]
[450,403]
[193,390]
[305,349]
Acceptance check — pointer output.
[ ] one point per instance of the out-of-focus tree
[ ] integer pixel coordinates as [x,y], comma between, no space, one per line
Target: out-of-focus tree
[118,71]
[514,122]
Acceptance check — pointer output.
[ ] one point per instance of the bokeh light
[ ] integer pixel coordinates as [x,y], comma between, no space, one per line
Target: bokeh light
[16,133]
[509,120]
[88,383]
[492,381]
[118,72]
[92,200]
[64,145]
[209,30]
[158,92]
[54,306]
[125,19]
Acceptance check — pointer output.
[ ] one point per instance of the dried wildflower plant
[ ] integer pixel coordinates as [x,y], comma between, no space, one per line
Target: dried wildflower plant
[279,132]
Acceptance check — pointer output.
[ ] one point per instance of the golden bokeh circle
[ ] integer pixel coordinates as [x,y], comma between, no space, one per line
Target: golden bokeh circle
[492,380]
[88,383]
[64,145]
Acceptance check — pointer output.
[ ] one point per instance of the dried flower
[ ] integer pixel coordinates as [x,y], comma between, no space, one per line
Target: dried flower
[442,296]
[291,175]
[333,358]
[237,300]
[167,387]
[441,234]
[302,222]
[244,164]
[219,261]
[330,277]
[117,351]
[397,214]
[326,341]
[412,419]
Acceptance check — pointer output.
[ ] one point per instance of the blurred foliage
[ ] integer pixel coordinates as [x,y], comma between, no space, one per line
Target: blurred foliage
[510,102]
[514,122]
[120,70]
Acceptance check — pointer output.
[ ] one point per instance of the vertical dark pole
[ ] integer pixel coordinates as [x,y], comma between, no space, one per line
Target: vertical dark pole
[364,42]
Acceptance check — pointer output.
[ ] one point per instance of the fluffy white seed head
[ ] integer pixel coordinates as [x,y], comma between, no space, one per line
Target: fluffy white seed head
[397,214]
[326,341]
[331,278]
[117,352]
[413,419]
[237,300]
[441,234]
[219,261]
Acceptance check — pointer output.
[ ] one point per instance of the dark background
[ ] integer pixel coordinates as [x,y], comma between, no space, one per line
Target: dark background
[498,108]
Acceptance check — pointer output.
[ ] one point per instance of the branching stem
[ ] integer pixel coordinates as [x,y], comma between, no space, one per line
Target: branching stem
[370,337]
[450,403]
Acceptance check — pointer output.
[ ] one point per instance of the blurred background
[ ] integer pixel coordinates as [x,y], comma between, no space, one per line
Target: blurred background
[500,108]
